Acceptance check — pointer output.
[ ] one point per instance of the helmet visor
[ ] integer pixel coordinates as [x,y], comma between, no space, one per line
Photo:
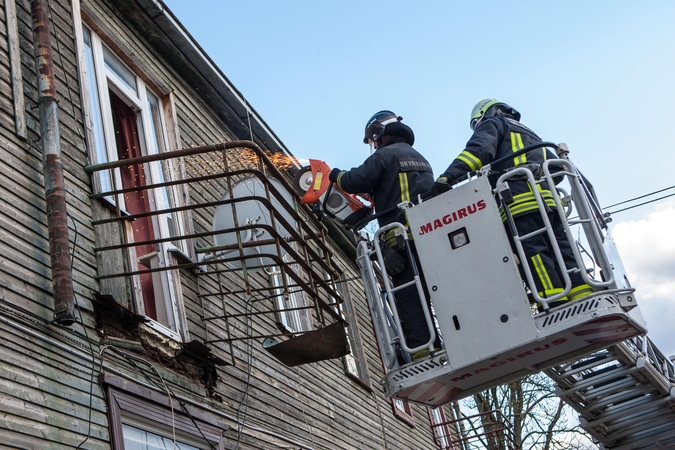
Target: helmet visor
[374,131]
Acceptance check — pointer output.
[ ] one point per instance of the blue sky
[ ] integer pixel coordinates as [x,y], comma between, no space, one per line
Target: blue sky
[597,75]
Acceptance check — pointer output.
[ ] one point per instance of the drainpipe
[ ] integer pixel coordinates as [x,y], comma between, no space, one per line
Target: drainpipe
[55,194]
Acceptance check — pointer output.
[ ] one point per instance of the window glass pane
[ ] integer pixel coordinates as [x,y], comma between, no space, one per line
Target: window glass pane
[155,145]
[354,362]
[297,320]
[155,128]
[123,75]
[96,118]
[137,439]
[440,431]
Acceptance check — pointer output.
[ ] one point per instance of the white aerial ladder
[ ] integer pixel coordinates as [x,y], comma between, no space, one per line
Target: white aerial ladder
[594,348]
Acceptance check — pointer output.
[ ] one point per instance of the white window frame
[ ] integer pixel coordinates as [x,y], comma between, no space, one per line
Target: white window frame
[403,411]
[297,321]
[355,363]
[169,308]
[440,429]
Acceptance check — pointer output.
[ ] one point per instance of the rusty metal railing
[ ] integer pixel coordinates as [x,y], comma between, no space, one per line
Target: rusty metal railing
[233,289]
[489,430]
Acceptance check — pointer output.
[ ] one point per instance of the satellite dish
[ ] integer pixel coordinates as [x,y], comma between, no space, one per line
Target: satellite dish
[251,212]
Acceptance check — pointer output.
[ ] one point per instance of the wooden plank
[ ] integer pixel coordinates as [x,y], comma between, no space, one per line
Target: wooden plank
[13,438]
[42,433]
[31,386]
[15,64]
[125,45]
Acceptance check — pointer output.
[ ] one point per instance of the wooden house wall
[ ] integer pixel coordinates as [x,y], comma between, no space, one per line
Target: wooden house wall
[49,385]
[48,388]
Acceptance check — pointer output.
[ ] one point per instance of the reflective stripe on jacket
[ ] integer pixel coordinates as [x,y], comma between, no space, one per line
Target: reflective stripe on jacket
[394,173]
[495,138]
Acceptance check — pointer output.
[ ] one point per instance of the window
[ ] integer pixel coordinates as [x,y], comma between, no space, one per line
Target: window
[403,411]
[440,428]
[127,122]
[293,307]
[138,439]
[143,420]
[355,362]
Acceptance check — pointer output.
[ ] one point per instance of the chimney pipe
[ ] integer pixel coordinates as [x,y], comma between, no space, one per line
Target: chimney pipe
[55,194]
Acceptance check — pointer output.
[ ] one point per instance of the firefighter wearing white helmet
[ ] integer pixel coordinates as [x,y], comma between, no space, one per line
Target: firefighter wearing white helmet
[395,172]
[497,132]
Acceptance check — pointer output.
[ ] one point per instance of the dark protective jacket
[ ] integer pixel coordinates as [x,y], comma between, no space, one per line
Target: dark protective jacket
[494,138]
[395,173]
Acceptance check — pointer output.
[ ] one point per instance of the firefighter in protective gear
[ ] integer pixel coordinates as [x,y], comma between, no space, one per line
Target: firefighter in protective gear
[497,133]
[394,173]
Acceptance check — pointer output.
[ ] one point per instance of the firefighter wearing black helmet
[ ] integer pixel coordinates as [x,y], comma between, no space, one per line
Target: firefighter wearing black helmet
[497,132]
[394,173]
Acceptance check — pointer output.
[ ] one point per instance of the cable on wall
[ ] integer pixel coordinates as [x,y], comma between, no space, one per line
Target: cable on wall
[249,362]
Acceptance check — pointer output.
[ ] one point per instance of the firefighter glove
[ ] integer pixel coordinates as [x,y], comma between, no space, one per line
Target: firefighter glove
[333,176]
[440,185]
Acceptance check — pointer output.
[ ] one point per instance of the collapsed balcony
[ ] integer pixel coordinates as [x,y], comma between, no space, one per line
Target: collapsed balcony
[212,245]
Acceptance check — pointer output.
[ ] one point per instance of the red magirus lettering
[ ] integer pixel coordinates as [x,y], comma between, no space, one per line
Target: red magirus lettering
[460,378]
[541,348]
[453,216]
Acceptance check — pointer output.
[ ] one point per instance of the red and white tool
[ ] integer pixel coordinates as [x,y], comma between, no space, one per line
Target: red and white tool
[312,183]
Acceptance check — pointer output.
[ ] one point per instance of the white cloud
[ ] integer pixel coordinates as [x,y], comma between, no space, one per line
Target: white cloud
[647,250]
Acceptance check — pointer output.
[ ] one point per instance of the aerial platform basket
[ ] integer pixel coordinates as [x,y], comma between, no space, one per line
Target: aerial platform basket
[560,335]
[483,307]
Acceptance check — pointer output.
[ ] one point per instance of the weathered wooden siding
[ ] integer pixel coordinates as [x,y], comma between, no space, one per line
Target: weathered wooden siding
[46,372]
[45,387]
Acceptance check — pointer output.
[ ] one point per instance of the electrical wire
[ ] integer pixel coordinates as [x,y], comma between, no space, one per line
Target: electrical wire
[638,198]
[248,115]
[167,389]
[304,415]
[173,413]
[171,395]
[91,378]
[609,213]
[642,204]
[86,334]
[249,363]
[131,357]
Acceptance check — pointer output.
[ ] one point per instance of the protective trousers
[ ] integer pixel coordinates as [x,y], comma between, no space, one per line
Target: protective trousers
[548,276]
[409,305]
